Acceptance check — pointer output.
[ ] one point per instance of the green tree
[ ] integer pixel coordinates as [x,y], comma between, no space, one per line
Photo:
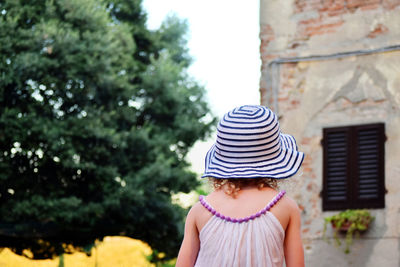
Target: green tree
[97,114]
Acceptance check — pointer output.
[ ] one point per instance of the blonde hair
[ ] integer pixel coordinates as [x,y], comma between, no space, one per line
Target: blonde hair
[233,186]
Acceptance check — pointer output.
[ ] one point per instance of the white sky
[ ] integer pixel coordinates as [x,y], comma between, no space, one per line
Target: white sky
[224,43]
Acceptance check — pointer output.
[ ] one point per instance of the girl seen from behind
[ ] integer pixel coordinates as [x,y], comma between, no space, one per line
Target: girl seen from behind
[246,221]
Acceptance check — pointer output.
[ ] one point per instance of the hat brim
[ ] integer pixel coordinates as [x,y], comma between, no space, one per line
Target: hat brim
[283,165]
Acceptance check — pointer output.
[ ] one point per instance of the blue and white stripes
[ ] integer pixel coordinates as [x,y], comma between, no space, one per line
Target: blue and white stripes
[250,145]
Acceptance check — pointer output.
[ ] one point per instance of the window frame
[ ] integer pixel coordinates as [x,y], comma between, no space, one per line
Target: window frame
[352,177]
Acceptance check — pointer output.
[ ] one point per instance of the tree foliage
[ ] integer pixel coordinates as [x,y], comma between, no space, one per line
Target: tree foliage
[97,114]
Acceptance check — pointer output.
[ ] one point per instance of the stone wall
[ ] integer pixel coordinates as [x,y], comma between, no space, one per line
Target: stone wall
[335,63]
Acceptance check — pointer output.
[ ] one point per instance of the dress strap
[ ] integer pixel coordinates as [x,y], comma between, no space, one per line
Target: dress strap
[245,219]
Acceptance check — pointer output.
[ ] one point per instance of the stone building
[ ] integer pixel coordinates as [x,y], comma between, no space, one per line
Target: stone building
[331,71]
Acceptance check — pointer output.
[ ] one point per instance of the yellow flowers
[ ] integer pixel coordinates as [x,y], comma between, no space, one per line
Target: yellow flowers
[115,251]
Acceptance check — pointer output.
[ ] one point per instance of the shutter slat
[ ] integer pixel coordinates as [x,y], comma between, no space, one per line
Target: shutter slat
[336,159]
[336,166]
[367,161]
[371,141]
[337,183]
[368,167]
[339,172]
[366,171]
[367,134]
[369,187]
[337,149]
[368,156]
[336,179]
[367,148]
[367,177]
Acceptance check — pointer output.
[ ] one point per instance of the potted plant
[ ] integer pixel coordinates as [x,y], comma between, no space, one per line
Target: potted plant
[350,222]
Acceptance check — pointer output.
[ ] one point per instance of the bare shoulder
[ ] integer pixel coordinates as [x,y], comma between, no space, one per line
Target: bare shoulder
[290,203]
[198,215]
[291,206]
[195,210]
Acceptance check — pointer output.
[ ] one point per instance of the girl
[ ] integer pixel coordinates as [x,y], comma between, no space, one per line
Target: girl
[245,221]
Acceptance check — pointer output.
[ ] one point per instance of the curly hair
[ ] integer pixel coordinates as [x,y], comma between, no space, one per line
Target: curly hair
[233,186]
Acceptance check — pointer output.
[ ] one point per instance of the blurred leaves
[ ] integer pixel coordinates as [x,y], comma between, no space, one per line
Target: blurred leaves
[97,114]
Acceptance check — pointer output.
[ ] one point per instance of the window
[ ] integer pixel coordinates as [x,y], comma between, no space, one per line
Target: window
[353,172]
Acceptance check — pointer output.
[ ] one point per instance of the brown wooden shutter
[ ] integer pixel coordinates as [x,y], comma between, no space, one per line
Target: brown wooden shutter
[369,166]
[353,171]
[336,191]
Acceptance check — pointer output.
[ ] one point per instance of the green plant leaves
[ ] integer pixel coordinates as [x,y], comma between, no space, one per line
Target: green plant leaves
[352,222]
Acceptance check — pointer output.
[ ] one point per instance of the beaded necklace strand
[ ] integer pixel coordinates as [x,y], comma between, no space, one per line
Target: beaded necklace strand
[245,219]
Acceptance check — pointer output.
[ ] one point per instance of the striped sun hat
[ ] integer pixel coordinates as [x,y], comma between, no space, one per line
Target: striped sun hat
[250,145]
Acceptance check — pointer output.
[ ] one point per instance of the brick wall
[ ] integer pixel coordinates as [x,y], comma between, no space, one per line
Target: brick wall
[311,95]
[325,26]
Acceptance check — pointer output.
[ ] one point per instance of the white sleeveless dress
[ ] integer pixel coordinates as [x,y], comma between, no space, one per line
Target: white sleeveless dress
[254,241]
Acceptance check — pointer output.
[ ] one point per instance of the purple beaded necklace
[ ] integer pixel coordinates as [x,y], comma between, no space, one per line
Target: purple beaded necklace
[245,219]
